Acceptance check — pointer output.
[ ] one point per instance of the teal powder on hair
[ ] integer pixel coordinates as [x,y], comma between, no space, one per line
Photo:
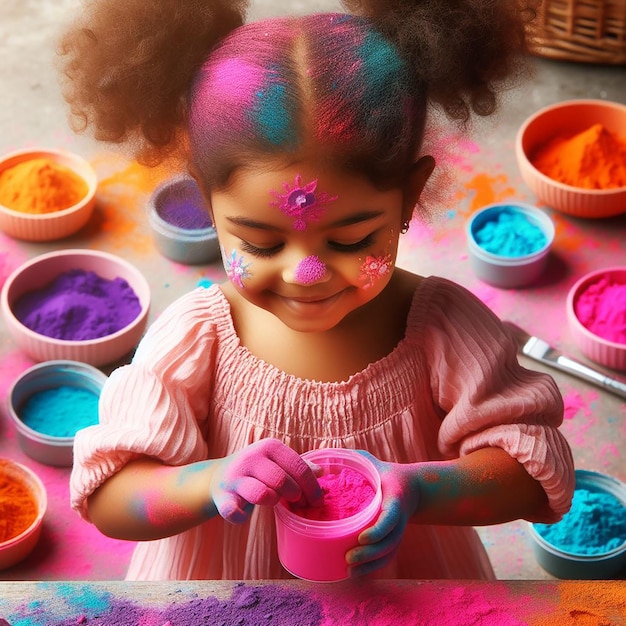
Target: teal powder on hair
[272,117]
[510,234]
[595,524]
[61,411]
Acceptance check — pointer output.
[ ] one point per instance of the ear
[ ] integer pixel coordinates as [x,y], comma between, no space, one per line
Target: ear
[414,184]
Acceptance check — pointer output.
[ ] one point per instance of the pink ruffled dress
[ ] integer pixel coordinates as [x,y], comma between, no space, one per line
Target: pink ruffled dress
[451,386]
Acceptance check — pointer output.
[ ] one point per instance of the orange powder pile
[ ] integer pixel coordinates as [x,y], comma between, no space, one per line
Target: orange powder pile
[592,159]
[18,508]
[40,186]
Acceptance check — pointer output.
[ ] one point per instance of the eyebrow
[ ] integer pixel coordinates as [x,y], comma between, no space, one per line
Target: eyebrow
[357,218]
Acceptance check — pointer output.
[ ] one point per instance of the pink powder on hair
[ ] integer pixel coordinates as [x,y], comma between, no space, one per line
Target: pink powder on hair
[345,494]
[601,308]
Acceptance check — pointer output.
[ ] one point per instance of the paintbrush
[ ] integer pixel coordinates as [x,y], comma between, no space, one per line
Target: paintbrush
[543,352]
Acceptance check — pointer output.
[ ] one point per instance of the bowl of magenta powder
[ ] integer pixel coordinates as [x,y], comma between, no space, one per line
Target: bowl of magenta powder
[509,243]
[23,503]
[81,305]
[313,541]
[596,314]
[589,542]
[49,403]
[180,222]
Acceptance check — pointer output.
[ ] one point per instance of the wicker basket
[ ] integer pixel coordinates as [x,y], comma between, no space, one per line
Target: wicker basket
[587,31]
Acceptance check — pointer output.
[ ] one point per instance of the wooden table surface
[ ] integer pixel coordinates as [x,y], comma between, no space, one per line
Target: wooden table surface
[297,603]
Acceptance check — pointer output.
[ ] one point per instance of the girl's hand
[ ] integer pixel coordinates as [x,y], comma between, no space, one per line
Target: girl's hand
[262,473]
[378,543]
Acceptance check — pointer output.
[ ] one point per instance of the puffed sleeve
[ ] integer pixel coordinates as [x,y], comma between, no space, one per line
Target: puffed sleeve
[157,405]
[489,399]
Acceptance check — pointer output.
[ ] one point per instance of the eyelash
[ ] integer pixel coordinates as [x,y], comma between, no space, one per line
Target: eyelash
[364,243]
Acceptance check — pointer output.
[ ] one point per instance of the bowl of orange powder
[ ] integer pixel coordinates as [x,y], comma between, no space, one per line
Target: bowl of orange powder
[573,156]
[23,503]
[45,194]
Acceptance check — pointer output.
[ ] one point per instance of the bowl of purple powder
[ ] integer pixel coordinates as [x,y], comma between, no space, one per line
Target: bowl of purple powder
[49,403]
[81,305]
[596,314]
[589,542]
[180,223]
[509,243]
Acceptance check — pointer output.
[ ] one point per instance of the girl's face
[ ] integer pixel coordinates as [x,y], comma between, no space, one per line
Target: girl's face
[308,246]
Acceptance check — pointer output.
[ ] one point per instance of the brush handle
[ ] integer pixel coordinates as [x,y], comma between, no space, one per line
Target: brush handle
[586,373]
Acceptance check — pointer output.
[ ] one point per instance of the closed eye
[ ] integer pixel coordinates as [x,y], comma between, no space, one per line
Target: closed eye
[260,252]
[357,246]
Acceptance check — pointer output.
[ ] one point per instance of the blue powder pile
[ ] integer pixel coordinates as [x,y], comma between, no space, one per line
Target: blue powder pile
[595,524]
[510,234]
[78,305]
[60,412]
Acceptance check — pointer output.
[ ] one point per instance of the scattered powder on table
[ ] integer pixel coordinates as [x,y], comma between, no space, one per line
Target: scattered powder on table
[40,186]
[345,494]
[60,412]
[592,159]
[18,508]
[78,305]
[595,524]
[511,234]
[601,308]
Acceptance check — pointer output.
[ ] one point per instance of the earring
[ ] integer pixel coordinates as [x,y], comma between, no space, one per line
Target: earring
[405,228]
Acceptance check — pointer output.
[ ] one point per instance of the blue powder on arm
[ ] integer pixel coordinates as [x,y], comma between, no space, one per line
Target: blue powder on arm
[595,524]
[511,234]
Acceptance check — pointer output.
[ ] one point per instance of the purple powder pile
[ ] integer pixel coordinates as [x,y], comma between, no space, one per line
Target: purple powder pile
[78,305]
[183,206]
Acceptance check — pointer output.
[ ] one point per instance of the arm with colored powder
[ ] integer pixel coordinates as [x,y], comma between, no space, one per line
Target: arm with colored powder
[147,500]
[485,487]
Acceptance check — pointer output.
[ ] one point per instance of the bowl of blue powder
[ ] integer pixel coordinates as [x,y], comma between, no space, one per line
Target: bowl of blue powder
[49,403]
[80,305]
[589,542]
[509,243]
[180,222]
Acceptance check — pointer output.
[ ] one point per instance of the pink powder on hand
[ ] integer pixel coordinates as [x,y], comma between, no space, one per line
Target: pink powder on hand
[345,494]
[601,308]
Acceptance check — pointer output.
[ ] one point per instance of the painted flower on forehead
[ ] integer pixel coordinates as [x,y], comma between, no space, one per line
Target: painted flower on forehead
[302,202]
[236,270]
[374,268]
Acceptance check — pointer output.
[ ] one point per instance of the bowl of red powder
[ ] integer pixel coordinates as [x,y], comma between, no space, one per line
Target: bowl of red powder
[596,314]
[589,542]
[49,403]
[572,155]
[313,541]
[509,243]
[79,305]
[45,194]
[180,223]
[23,503]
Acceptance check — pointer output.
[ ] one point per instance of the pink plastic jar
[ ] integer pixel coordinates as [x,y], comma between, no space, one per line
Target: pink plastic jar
[315,550]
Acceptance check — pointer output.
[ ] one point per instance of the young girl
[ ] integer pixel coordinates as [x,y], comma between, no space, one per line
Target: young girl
[306,135]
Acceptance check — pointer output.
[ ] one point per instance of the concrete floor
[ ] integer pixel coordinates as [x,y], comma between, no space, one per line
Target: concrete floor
[32,113]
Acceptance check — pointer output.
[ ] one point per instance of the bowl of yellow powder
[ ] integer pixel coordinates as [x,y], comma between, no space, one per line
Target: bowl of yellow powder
[45,194]
[23,503]
[572,155]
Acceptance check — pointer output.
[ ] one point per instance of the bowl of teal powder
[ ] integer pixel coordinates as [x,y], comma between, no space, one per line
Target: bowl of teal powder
[49,403]
[589,542]
[509,243]
[180,223]
[81,305]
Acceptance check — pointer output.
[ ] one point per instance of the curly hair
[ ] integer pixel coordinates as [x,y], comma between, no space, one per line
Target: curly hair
[192,79]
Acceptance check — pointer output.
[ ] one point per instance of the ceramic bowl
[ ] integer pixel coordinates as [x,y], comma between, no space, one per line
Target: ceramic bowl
[600,349]
[563,563]
[16,548]
[508,271]
[56,224]
[39,272]
[180,224]
[52,441]
[569,118]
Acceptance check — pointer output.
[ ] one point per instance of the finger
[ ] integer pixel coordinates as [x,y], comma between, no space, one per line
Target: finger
[233,508]
[371,566]
[375,552]
[388,521]
[267,472]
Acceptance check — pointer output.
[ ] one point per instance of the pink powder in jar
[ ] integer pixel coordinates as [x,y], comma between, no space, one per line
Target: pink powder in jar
[345,494]
[601,309]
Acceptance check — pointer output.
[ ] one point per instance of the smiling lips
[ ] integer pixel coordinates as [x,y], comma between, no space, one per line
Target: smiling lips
[309,302]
